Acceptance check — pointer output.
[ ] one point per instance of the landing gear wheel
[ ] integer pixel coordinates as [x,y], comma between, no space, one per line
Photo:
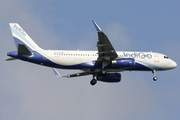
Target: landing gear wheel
[155,78]
[93,81]
[154,74]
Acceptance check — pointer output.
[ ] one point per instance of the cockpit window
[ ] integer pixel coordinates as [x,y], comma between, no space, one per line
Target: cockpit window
[166,57]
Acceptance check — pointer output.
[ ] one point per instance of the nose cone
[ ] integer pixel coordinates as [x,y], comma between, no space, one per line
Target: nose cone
[173,64]
[170,64]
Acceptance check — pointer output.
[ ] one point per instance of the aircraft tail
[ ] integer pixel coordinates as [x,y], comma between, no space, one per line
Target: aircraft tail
[22,38]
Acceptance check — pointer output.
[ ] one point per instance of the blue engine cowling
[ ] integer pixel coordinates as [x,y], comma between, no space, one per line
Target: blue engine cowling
[110,77]
[124,62]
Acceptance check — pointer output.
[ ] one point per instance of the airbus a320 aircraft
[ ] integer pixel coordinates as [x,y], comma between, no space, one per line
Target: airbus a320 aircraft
[103,64]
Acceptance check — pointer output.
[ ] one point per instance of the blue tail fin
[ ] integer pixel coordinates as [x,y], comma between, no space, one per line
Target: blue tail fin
[21,37]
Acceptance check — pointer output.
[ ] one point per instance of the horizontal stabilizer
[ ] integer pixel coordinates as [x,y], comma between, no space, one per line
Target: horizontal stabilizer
[23,50]
[9,59]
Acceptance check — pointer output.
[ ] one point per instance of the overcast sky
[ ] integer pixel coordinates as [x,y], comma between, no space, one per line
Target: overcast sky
[32,92]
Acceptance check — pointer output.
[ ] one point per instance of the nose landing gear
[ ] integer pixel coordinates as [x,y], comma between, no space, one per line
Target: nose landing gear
[154,74]
[155,78]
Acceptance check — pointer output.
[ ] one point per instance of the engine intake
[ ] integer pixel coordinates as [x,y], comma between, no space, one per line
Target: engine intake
[110,77]
[124,62]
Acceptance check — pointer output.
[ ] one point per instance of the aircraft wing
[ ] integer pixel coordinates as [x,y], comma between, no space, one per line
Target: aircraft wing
[78,74]
[106,51]
[71,75]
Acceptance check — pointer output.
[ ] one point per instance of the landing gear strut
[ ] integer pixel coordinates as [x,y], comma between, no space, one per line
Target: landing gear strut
[93,81]
[154,74]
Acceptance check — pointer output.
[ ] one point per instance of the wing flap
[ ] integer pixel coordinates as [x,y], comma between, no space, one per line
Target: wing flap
[78,74]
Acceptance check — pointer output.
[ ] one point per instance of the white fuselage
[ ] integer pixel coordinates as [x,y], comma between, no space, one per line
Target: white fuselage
[151,60]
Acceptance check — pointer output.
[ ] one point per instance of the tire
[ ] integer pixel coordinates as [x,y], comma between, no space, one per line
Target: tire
[93,81]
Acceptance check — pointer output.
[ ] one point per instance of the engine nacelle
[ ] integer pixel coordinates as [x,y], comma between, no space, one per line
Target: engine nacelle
[124,62]
[110,77]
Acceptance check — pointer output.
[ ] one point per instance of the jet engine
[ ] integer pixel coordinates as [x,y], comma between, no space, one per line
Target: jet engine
[109,77]
[124,62]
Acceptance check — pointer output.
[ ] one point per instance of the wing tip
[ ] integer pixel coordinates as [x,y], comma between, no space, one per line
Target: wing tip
[56,72]
[96,26]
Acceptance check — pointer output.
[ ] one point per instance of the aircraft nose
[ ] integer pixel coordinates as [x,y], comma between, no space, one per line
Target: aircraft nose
[173,64]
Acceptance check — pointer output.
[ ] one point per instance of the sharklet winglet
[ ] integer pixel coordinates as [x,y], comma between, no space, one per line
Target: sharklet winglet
[56,72]
[96,26]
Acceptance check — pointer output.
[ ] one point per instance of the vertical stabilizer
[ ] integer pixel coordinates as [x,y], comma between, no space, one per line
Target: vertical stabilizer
[21,37]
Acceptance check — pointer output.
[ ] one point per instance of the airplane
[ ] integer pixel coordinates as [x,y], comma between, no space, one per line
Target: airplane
[104,65]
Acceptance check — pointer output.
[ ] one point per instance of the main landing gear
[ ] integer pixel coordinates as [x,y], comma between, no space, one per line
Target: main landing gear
[93,81]
[154,74]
